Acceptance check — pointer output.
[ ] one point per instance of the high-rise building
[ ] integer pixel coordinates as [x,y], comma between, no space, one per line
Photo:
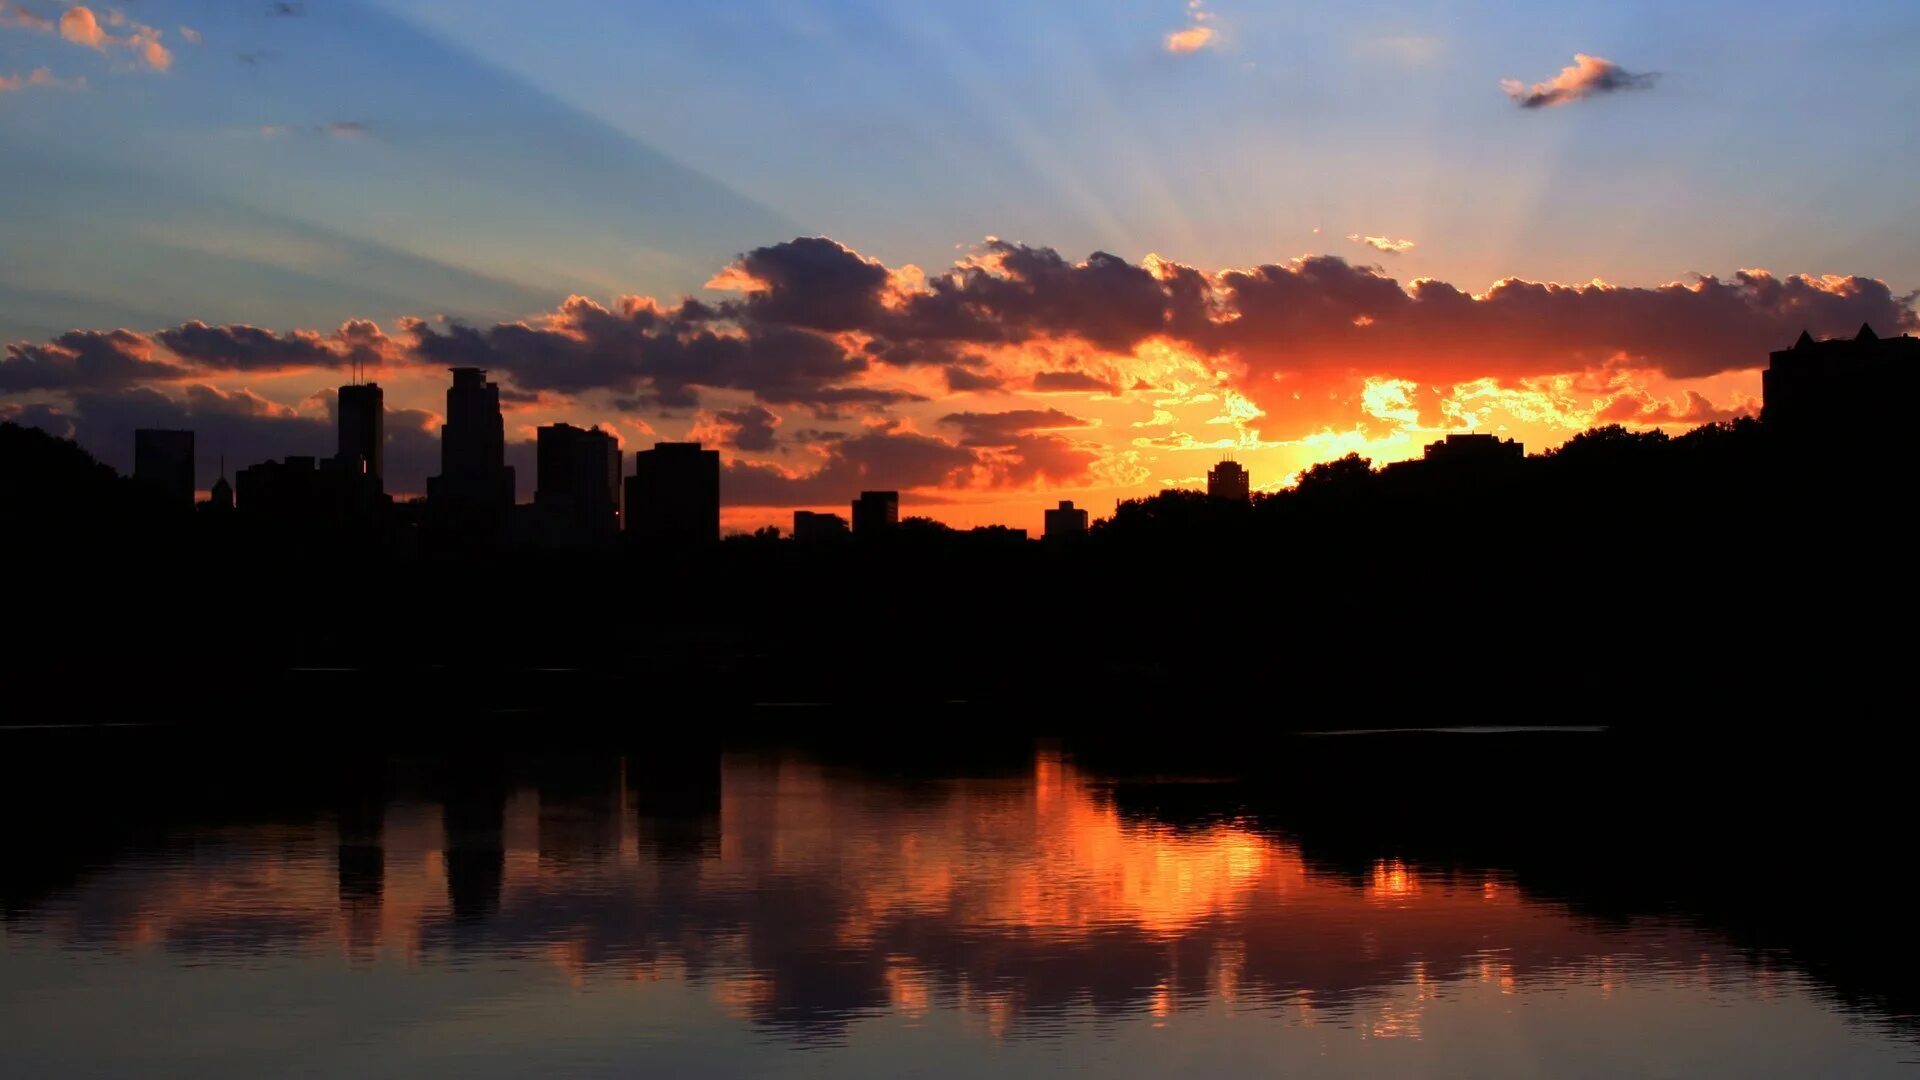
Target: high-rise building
[1228,480]
[163,466]
[363,432]
[810,527]
[876,512]
[475,484]
[1815,388]
[577,494]
[1066,522]
[288,491]
[673,495]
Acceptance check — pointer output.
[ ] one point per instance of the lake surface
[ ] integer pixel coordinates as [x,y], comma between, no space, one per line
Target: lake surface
[775,913]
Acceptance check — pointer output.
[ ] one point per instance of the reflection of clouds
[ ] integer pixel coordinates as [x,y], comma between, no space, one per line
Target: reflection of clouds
[811,898]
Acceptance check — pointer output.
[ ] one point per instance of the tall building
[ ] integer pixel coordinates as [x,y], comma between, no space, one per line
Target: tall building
[363,432]
[810,527]
[673,495]
[163,465]
[1228,480]
[475,483]
[287,491]
[577,494]
[1066,522]
[1816,387]
[876,512]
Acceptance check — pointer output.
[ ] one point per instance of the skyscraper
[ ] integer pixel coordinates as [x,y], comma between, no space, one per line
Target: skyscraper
[813,528]
[577,493]
[674,494]
[1228,480]
[363,432]
[475,483]
[1066,522]
[876,512]
[163,466]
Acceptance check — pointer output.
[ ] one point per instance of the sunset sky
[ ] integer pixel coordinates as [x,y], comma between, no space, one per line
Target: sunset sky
[992,254]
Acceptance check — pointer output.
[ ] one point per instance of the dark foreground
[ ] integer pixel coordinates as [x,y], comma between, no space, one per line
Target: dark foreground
[934,897]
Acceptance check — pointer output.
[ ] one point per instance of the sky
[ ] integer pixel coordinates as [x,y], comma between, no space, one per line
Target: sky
[992,254]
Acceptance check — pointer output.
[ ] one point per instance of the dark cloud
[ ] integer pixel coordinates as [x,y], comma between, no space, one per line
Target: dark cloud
[656,357]
[878,460]
[248,348]
[1069,382]
[287,9]
[1587,76]
[82,360]
[964,381]
[751,428]
[1003,428]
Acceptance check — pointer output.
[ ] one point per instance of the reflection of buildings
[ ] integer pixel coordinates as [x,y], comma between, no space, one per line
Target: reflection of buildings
[577,496]
[811,527]
[673,495]
[579,816]
[1066,522]
[1817,387]
[474,815]
[475,485]
[876,512]
[1228,480]
[362,864]
[163,465]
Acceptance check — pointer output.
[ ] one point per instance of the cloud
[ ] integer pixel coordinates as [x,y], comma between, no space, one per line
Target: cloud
[190,35]
[876,460]
[1192,39]
[13,15]
[38,77]
[1314,348]
[345,129]
[1002,428]
[749,429]
[287,9]
[1637,406]
[1195,37]
[1069,382]
[79,25]
[1383,243]
[1588,75]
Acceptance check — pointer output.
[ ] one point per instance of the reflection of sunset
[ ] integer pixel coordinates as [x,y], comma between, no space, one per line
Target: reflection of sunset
[806,895]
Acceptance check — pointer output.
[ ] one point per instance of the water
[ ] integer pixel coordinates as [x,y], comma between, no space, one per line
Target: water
[773,914]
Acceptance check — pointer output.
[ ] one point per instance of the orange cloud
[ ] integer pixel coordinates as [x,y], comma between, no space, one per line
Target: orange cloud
[1586,77]
[1190,40]
[81,26]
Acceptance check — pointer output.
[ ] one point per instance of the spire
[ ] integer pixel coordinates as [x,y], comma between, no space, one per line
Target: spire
[1805,342]
[1866,334]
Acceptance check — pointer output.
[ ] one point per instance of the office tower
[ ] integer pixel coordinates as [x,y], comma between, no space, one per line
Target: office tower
[1066,522]
[163,466]
[1474,449]
[475,483]
[876,512]
[363,432]
[577,490]
[1228,480]
[674,494]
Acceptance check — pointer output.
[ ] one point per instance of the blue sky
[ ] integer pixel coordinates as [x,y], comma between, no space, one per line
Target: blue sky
[478,160]
[513,153]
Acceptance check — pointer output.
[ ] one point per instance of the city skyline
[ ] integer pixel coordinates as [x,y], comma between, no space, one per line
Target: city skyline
[1298,276]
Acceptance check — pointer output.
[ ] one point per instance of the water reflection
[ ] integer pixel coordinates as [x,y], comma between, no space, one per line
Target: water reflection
[805,900]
